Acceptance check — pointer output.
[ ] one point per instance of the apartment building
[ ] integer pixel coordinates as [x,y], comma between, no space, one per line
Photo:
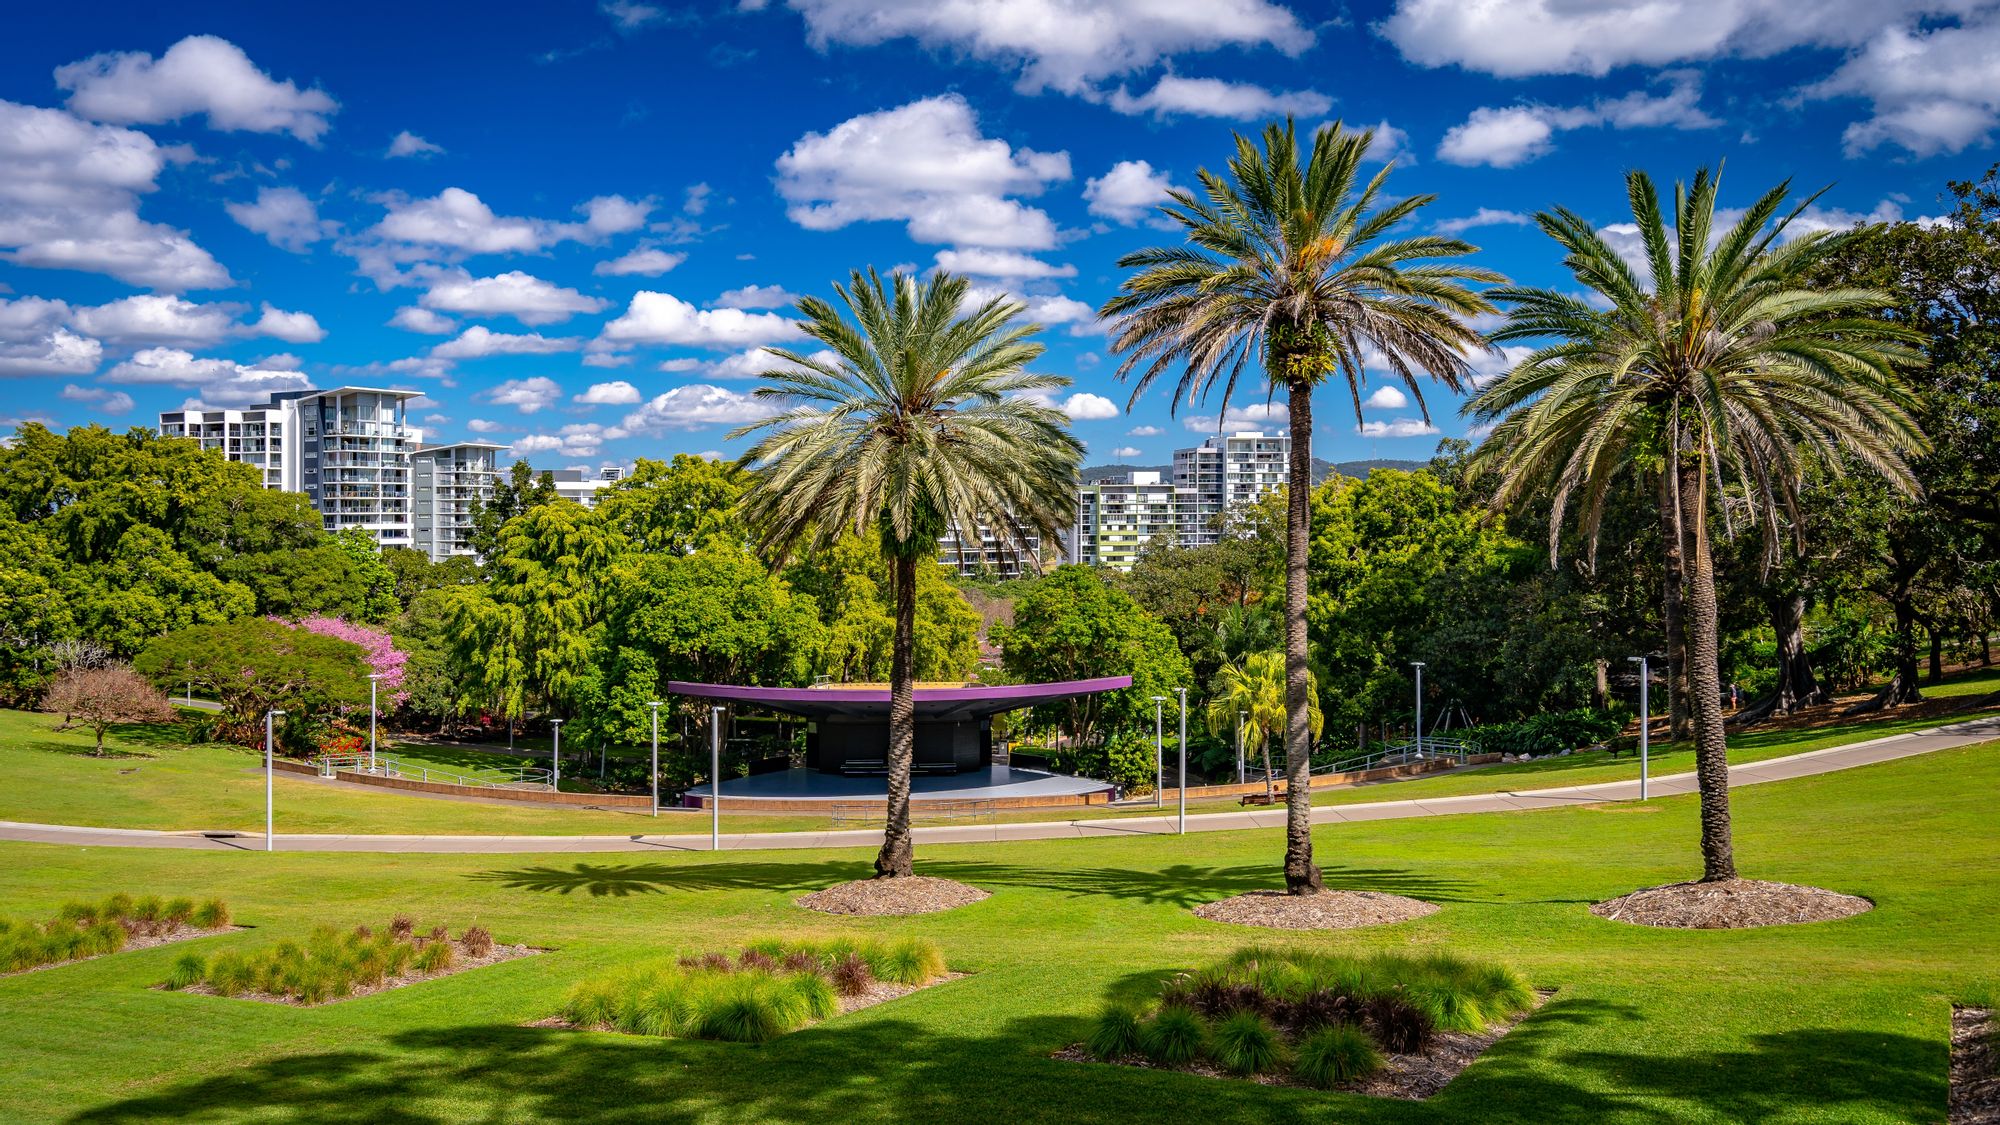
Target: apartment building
[450,482]
[348,449]
[1116,518]
[1000,556]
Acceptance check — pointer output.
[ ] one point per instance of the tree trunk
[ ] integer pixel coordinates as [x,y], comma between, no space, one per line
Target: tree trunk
[1600,686]
[1301,876]
[99,752]
[1797,686]
[1670,611]
[1937,655]
[1711,751]
[1266,749]
[895,857]
[1903,687]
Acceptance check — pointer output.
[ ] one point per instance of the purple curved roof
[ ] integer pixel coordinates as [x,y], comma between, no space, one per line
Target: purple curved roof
[934,704]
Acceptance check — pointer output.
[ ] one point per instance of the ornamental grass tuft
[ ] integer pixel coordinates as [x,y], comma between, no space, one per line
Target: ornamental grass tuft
[1116,1034]
[1175,1036]
[329,964]
[1245,1043]
[82,929]
[1335,1055]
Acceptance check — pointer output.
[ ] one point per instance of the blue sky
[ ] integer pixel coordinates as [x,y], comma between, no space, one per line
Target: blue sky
[571,224]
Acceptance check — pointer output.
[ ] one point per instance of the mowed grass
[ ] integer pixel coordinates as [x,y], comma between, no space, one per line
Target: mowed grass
[1842,1021]
[154,779]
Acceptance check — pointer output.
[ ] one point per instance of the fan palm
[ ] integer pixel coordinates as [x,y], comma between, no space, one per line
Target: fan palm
[1254,690]
[1289,265]
[922,419]
[1719,364]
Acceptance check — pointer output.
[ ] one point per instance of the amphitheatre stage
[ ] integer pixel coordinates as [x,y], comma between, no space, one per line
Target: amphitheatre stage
[847,736]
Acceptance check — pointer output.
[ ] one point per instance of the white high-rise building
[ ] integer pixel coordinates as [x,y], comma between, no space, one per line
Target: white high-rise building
[1116,518]
[451,481]
[1001,556]
[348,449]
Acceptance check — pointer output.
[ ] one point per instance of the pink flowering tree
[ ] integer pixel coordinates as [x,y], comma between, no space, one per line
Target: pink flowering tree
[384,658]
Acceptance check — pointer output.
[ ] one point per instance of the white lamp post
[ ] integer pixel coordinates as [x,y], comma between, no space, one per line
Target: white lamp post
[270,727]
[1419,665]
[373,679]
[1239,747]
[1159,754]
[1645,720]
[555,775]
[656,756]
[715,779]
[1183,774]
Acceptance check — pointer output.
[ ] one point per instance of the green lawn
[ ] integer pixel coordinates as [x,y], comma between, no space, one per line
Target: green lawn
[159,781]
[1842,1021]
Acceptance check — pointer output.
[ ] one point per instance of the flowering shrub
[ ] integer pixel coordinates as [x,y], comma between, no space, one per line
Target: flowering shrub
[343,745]
[383,657]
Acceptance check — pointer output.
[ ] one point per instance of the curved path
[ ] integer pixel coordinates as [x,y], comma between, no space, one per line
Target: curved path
[1775,769]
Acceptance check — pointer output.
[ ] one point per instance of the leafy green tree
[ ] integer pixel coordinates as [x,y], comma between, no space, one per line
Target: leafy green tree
[1076,626]
[918,422]
[534,632]
[1253,692]
[675,507]
[36,611]
[413,573]
[256,665]
[850,580]
[1290,265]
[521,491]
[1723,359]
[377,581]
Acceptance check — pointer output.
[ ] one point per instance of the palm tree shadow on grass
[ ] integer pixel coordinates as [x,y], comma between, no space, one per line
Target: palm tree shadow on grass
[888,1067]
[1180,885]
[84,750]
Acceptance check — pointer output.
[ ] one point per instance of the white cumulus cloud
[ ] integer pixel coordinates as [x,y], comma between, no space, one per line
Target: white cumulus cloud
[292,327]
[217,382]
[523,296]
[1396,428]
[1484,217]
[1932,90]
[662,318]
[927,165]
[1174,95]
[407,143]
[1128,192]
[1086,407]
[1386,398]
[644,261]
[525,395]
[201,74]
[1000,263]
[694,407]
[756,297]
[33,340]
[1508,136]
[106,401]
[618,392]
[478,341]
[285,216]
[414,319]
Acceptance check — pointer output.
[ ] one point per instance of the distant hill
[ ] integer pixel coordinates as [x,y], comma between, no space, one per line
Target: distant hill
[1355,469]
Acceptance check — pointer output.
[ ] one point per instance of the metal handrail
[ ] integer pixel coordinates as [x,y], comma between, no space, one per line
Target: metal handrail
[489,777]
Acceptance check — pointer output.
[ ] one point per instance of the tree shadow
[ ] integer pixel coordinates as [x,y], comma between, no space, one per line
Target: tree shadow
[1182,885]
[1188,885]
[620,880]
[84,750]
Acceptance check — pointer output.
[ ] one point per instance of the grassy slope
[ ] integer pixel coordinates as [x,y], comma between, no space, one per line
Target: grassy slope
[46,776]
[1835,1022]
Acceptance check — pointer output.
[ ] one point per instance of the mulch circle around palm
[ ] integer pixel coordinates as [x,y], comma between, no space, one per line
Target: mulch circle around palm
[1327,910]
[1730,904]
[910,894]
[1975,1067]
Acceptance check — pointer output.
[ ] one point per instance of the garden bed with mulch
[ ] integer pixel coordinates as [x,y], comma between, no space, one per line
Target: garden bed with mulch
[1975,1067]
[120,924]
[770,988]
[910,894]
[1327,910]
[333,965]
[1411,1077]
[1388,1025]
[1730,904]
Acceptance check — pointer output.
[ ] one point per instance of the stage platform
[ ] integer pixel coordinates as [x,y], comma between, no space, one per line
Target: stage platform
[810,791]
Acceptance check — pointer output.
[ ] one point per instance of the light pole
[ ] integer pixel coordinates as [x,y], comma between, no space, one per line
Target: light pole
[1182,787]
[656,756]
[1419,665]
[373,679]
[1645,720]
[1239,747]
[715,779]
[270,726]
[555,775]
[1159,754]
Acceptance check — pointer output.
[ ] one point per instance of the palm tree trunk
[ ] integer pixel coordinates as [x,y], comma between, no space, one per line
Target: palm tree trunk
[1671,581]
[1711,749]
[1301,877]
[894,859]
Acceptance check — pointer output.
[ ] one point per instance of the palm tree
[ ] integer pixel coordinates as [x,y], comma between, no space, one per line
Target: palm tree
[1720,365]
[1255,689]
[1288,265]
[922,419]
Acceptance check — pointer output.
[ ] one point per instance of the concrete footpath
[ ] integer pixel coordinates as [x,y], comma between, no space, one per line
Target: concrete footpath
[1809,764]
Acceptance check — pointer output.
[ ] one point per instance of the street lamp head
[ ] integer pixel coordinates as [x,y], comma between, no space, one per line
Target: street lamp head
[654,704]
[1636,659]
[374,675]
[274,712]
[1416,663]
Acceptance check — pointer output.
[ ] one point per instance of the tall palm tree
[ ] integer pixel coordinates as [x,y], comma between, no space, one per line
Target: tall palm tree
[924,418]
[1289,265]
[1719,364]
[1255,690]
